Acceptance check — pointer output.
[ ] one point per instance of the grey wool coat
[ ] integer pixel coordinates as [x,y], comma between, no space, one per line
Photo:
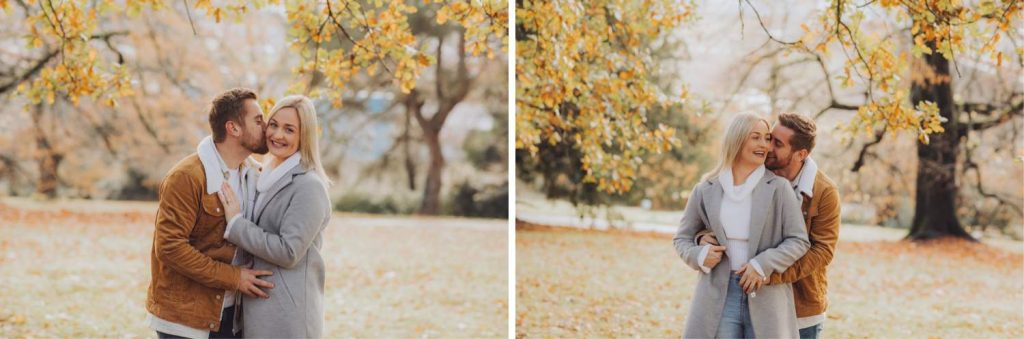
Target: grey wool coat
[286,240]
[777,239]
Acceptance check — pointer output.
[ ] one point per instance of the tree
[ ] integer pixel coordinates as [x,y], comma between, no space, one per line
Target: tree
[939,31]
[69,51]
[584,92]
[475,30]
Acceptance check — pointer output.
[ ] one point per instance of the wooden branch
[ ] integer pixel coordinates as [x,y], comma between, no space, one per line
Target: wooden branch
[439,74]
[835,105]
[765,29]
[50,55]
[9,86]
[188,11]
[1008,113]
[414,104]
[464,82]
[970,164]
[864,150]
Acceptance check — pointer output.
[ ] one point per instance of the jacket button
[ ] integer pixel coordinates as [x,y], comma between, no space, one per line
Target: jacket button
[211,325]
[218,209]
[218,297]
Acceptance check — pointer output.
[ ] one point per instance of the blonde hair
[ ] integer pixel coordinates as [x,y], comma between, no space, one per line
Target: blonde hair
[309,146]
[732,141]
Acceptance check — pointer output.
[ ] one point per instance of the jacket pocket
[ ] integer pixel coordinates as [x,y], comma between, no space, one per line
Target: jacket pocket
[282,282]
[211,214]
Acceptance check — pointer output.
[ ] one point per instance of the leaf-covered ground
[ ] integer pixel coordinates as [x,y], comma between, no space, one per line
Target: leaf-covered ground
[81,269]
[580,283]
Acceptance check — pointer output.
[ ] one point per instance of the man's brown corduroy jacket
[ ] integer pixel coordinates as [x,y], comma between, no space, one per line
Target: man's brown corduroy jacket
[191,261]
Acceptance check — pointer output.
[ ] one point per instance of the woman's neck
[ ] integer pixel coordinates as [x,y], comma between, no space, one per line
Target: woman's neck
[742,171]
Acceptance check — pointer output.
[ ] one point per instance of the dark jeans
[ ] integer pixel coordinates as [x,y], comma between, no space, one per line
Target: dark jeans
[812,332]
[162,335]
[226,321]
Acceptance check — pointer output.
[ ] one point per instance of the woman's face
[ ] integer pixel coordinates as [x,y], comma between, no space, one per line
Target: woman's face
[755,147]
[283,133]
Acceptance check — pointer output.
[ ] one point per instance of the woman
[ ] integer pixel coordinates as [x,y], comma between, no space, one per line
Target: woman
[292,208]
[758,215]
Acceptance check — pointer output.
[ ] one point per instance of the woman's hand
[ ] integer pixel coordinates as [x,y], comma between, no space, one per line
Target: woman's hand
[232,206]
[714,256]
[750,280]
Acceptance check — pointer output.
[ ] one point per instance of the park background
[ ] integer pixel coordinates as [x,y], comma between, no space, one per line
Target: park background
[619,110]
[98,99]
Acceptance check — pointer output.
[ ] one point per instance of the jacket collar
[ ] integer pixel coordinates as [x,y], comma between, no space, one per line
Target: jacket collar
[280,184]
[214,166]
[804,182]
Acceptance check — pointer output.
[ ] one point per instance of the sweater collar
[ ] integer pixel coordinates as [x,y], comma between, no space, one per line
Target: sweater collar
[744,190]
[272,174]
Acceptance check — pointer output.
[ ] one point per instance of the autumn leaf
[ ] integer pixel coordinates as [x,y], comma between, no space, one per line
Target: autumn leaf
[583,78]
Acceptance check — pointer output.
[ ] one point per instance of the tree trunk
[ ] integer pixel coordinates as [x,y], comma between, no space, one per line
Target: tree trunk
[432,189]
[936,198]
[49,160]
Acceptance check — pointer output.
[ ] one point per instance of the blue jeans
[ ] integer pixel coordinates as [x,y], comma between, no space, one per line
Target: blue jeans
[735,322]
[812,332]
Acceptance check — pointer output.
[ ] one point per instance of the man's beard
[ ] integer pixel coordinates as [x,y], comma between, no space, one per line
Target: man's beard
[772,165]
[257,145]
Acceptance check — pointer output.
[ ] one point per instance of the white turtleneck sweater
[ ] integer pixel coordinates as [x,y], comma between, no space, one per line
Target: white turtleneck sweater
[734,213]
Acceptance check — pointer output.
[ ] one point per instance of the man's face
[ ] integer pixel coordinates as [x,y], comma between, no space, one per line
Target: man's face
[253,128]
[781,154]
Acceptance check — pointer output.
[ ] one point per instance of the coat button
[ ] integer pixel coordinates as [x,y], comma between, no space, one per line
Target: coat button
[211,325]
[218,209]
[218,297]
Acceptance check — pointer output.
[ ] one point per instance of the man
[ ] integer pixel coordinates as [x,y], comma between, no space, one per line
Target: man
[792,141]
[193,285]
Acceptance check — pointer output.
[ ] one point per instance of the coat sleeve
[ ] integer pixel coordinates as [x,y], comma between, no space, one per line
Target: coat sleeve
[176,216]
[689,225]
[824,233]
[794,234]
[303,220]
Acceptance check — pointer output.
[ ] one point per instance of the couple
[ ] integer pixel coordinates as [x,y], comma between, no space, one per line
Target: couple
[761,228]
[236,249]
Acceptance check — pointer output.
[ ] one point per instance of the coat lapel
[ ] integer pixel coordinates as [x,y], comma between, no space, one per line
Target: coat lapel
[759,209]
[248,202]
[713,202]
[274,190]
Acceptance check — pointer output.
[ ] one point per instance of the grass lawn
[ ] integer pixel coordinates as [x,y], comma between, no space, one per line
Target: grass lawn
[582,283]
[81,269]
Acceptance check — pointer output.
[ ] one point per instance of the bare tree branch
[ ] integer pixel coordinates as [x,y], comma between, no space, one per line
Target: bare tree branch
[864,150]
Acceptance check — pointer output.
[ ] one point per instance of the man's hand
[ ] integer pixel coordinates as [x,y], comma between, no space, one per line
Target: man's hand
[750,280]
[250,283]
[708,239]
[714,256]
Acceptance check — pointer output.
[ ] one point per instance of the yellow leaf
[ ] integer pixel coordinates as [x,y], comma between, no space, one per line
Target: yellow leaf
[442,16]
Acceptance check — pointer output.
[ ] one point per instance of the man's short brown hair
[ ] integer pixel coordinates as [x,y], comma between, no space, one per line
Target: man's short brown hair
[804,130]
[228,106]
